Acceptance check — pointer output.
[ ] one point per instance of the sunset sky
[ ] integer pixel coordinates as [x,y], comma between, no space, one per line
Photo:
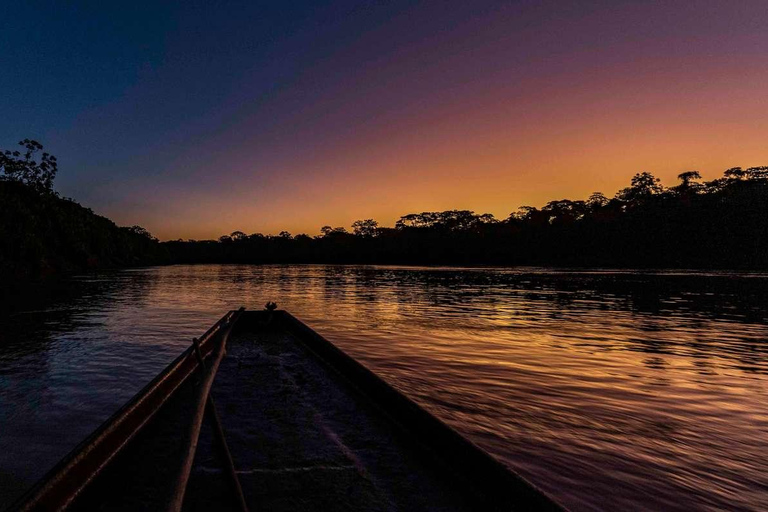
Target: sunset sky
[194,119]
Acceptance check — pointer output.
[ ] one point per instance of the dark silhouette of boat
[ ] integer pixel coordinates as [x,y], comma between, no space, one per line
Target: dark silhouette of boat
[286,421]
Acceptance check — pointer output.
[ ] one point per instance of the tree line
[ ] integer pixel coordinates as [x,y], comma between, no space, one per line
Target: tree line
[722,223]
[42,233]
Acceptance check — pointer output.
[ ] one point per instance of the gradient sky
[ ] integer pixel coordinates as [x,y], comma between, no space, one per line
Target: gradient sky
[194,119]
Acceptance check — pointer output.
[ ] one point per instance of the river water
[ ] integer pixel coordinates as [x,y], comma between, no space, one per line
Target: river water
[611,390]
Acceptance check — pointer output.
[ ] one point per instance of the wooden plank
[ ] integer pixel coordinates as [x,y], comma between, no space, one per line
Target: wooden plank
[213,415]
[201,399]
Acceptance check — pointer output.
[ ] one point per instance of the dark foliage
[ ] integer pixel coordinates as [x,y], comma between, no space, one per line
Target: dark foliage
[24,168]
[42,234]
[718,224]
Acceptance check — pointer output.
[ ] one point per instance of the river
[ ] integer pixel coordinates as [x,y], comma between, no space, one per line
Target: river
[611,390]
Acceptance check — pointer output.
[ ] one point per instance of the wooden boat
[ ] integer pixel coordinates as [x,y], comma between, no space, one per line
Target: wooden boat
[307,428]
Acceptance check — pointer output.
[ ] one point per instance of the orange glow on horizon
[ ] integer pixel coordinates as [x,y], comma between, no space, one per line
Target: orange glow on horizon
[490,143]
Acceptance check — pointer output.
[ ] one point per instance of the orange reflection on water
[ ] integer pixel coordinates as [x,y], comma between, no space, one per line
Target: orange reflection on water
[610,390]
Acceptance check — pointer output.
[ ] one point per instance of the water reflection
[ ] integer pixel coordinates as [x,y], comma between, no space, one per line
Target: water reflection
[608,389]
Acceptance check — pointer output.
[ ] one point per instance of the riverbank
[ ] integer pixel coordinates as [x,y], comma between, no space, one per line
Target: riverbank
[721,224]
[45,235]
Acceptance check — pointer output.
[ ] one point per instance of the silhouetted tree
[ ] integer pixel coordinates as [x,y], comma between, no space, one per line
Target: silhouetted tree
[564,210]
[735,173]
[687,178]
[643,186]
[757,173]
[417,220]
[365,228]
[688,183]
[597,200]
[448,220]
[457,220]
[530,216]
[23,167]
[140,231]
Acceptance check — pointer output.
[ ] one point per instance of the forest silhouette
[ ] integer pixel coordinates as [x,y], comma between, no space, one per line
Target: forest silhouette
[721,223]
[42,234]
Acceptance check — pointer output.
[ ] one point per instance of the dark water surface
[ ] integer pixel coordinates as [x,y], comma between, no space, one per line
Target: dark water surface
[610,390]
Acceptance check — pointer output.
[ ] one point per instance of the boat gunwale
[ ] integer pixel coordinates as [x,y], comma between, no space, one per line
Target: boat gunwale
[53,490]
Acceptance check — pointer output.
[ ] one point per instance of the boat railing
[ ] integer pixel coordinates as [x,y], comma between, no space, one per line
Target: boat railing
[204,404]
[64,482]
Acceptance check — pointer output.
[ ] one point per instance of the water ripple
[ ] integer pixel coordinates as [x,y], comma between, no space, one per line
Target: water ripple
[609,389]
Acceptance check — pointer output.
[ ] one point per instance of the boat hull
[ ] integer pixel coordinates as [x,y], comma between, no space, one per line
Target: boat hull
[309,428]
